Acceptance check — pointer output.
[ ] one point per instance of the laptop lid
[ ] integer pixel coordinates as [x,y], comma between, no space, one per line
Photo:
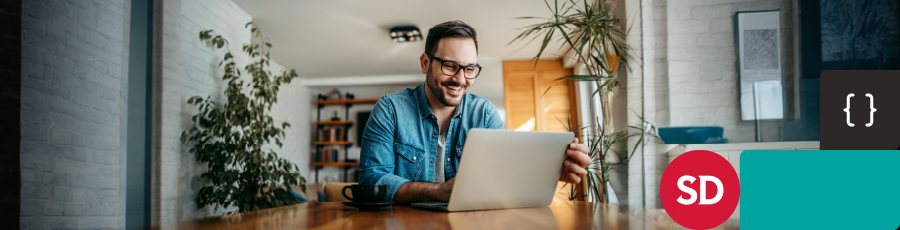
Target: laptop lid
[507,169]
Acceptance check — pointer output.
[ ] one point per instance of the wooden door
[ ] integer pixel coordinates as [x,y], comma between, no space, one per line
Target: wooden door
[529,104]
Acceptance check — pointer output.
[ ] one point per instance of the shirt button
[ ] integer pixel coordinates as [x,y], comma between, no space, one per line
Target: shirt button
[448,159]
[414,158]
[432,162]
[435,133]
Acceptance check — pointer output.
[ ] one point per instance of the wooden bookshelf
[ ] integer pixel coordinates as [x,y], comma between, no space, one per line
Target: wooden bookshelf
[339,122]
[333,143]
[336,164]
[347,101]
[339,129]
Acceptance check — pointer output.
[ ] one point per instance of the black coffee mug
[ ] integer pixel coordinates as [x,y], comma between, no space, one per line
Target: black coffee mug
[366,193]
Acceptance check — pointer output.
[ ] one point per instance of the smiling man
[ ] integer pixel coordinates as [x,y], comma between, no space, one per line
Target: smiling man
[414,138]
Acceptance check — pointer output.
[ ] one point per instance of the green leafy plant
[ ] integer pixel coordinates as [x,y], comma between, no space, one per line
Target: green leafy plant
[590,33]
[600,146]
[228,138]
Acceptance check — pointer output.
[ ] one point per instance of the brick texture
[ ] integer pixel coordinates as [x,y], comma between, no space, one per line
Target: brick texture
[188,67]
[73,67]
[689,75]
[699,74]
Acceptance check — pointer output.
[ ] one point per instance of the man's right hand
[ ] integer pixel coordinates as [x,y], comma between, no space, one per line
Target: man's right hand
[445,190]
[413,192]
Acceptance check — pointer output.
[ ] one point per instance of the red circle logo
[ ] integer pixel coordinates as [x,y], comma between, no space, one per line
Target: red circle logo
[700,189]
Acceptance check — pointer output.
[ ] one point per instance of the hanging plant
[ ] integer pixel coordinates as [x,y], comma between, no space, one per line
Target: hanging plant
[228,138]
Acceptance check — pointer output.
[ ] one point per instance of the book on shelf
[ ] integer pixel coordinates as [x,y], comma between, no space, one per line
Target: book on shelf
[327,155]
[332,134]
[330,155]
[318,155]
[335,156]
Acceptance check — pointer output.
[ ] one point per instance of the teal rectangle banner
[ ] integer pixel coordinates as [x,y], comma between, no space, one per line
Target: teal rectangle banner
[820,189]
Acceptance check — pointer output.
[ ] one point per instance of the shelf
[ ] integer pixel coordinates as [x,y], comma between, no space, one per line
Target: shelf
[335,163]
[333,143]
[339,122]
[342,126]
[347,101]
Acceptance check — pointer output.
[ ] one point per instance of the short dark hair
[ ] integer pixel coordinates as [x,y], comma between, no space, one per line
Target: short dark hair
[454,28]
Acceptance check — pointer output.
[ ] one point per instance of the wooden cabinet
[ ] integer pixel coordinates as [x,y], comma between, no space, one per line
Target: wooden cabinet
[530,106]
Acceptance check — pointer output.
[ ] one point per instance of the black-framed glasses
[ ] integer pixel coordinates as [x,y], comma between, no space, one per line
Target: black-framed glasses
[451,68]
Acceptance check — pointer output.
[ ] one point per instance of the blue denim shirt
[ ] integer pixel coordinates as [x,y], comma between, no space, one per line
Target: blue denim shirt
[401,136]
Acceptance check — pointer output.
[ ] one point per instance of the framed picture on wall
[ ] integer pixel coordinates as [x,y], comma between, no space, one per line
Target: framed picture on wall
[759,48]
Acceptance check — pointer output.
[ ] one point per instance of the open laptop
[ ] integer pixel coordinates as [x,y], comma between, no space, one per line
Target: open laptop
[503,169]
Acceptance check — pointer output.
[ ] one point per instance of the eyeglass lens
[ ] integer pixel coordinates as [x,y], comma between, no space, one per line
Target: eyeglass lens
[450,68]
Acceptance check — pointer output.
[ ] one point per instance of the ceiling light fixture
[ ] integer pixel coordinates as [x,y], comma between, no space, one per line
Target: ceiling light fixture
[405,34]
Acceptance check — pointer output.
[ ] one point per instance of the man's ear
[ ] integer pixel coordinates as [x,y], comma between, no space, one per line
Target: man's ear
[423,61]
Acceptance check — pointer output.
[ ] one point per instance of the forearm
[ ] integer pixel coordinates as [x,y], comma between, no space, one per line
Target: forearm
[411,192]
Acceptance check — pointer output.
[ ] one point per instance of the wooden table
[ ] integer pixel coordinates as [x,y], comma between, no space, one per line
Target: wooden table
[333,215]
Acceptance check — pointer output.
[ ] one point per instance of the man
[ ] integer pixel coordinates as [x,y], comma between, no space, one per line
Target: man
[414,138]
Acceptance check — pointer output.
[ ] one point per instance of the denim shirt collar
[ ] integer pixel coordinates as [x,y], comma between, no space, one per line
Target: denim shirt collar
[425,108]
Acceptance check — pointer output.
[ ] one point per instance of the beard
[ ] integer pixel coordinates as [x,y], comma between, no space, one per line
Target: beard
[438,90]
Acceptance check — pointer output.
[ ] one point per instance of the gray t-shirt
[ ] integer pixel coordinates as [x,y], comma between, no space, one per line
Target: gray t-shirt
[438,158]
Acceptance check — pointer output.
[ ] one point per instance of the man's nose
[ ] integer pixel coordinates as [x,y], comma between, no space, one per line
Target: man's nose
[460,77]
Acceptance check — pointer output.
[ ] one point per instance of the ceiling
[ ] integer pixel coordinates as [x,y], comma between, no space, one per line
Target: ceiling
[349,38]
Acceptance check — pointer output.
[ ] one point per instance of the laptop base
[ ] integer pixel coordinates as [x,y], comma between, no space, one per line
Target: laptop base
[431,205]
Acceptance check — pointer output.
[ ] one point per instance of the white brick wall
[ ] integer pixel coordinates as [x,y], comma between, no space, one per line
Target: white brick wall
[189,68]
[701,60]
[689,75]
[73,66]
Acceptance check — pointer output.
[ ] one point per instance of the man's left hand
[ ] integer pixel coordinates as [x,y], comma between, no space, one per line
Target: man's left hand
[576,161]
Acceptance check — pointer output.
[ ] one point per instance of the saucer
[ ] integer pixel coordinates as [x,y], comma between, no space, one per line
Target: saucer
[368,206]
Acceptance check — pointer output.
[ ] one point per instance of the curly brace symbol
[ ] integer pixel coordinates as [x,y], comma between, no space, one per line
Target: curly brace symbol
[871,110]
[847,110]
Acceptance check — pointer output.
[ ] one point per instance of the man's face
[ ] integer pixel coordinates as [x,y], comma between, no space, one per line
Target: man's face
[449,90]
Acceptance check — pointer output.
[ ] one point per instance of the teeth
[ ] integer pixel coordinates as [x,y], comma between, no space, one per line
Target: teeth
[455,87]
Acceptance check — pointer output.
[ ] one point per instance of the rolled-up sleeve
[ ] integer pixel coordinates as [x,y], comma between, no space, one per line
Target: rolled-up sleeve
[377,161]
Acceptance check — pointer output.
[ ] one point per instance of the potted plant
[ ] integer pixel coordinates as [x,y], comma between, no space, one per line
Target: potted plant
[228,138]
[594,37]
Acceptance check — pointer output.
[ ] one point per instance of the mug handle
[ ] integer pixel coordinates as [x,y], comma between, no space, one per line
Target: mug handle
[344,192]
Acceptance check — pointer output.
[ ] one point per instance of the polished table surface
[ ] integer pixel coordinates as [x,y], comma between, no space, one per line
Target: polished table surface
[333,215]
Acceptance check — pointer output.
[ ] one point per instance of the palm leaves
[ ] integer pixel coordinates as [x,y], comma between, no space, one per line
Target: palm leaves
[601,146]
[591,34]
